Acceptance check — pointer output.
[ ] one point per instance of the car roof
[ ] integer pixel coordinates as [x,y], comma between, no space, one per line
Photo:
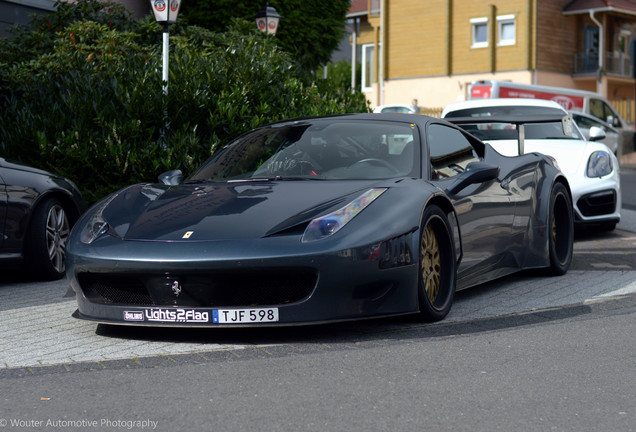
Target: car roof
[420,120]
[475,103]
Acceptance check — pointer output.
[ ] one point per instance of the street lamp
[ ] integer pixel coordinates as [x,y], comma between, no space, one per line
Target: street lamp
[166,12]
[267,19]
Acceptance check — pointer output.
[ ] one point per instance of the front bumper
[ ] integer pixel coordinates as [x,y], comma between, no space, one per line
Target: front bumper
[338,285]
[597,200]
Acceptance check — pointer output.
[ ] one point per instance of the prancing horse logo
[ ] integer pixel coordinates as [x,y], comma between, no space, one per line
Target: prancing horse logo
[176,288]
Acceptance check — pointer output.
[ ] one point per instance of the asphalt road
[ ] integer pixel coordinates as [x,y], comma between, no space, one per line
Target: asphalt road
[522,353]
[628,188]
[567,369]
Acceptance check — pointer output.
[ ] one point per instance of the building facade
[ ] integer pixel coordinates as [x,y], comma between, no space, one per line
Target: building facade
[432,50]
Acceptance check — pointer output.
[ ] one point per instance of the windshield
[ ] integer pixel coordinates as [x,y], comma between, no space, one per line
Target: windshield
[317,149]
[507,131]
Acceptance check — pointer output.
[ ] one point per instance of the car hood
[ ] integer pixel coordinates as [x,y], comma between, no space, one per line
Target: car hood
[220,211]
[570,155]
[16,166]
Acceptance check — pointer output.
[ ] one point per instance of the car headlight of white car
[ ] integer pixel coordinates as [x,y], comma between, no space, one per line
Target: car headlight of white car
[599,164]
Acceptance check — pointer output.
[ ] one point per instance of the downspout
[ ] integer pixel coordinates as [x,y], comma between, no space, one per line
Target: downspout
[492,39]
[354,52]
[601,42]
[382,50]
[449,37]
[532,43]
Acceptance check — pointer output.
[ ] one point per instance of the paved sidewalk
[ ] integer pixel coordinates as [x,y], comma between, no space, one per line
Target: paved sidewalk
[38,329]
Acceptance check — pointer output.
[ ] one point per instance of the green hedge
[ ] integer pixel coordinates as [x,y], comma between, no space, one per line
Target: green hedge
[87,102]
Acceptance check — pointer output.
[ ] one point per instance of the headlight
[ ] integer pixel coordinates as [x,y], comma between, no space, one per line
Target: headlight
[599,164]
[96,225]
[330,224]
[94,228]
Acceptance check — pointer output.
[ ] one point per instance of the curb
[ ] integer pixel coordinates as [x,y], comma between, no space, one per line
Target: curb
[334,341]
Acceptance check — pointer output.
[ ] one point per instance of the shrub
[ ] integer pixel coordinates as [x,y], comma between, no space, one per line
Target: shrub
[90,104]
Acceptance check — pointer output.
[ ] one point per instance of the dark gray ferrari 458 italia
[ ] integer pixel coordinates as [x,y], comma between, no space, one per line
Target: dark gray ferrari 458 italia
[321,219]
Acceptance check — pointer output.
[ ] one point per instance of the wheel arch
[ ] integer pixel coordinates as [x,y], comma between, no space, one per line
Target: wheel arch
[67,201]
[444,203]
[537,251]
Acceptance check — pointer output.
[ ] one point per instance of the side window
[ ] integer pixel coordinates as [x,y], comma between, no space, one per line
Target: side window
[585,122]
[600,109]
[449,151]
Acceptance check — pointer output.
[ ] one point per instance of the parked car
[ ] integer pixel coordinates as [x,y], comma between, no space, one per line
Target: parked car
[37,211]
[394,109]
[591,168]
[585,102]
[586,122]
[320,219]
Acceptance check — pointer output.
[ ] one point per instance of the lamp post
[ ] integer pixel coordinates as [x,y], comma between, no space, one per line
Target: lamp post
[166,12]
[267,19]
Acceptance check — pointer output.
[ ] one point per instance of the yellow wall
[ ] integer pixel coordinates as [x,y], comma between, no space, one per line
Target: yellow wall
[418,37]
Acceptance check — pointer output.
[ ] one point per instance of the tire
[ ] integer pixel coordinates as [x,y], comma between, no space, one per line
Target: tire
[46,241]
[437,266]
[561,230]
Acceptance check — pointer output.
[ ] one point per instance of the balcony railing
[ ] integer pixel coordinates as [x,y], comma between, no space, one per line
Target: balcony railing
[616,63]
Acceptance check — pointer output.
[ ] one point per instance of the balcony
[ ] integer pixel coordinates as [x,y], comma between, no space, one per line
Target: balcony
[616,64]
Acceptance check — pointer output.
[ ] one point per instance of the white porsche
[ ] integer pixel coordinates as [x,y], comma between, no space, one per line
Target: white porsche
[590,167]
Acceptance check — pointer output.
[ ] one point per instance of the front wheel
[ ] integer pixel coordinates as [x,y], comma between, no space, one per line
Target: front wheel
[437,265]
[561,234]
[46,245]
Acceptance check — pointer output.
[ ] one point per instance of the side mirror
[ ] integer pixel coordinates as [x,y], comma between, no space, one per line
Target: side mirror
[597,133]
[171,178]
[476,172]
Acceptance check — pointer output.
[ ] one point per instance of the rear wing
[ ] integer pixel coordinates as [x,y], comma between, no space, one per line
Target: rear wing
[519,122]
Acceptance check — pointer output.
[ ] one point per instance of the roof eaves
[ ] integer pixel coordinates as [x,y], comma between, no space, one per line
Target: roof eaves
[357,14]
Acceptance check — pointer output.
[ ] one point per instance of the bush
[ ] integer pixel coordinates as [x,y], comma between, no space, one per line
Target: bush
[90,103]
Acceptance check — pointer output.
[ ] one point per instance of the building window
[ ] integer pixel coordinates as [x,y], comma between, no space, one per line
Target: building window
[480,32]
[368,66]
[506,25]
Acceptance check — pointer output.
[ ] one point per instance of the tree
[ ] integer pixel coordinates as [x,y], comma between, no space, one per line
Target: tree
[310,29]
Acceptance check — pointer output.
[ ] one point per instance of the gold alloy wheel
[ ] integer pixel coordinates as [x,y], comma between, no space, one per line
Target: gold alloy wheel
[554,229]
[431,267]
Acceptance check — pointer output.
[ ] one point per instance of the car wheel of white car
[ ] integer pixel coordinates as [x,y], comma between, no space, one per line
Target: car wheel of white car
[561,232]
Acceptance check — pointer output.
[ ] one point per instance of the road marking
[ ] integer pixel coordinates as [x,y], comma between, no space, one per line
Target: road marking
[611,266]
[629,289]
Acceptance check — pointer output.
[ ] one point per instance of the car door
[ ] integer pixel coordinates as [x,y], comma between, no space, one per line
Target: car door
[485,211]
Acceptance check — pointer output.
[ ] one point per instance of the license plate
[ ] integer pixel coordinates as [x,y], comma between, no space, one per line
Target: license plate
[244,316]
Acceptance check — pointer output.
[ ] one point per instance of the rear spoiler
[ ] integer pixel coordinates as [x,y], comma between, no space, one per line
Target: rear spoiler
[565,119]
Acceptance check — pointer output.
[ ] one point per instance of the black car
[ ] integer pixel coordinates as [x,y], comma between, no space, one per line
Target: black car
[321,219]
[37,211]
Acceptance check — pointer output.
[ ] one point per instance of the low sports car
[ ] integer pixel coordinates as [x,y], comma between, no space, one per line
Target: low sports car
[37,211]
[321,219]
[590,167]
